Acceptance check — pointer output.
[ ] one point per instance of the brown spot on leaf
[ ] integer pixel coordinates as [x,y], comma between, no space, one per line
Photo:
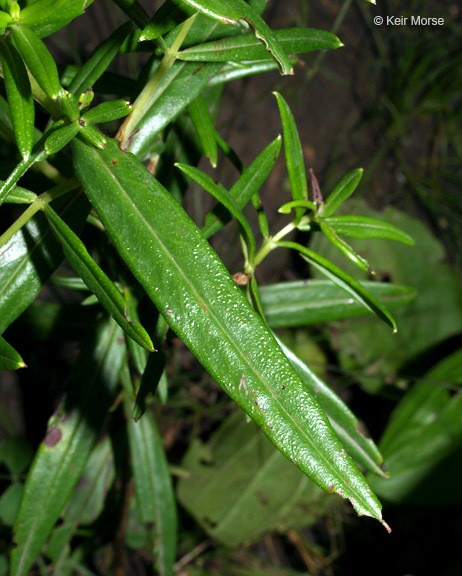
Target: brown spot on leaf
[241,279]
[53,436]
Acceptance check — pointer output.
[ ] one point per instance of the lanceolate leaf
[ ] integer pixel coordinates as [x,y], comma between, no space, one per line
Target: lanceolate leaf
[365,227]
[154,490]
[203,124]
[9,358]
[107,112]
[236,11]
[290,304]
[339,243]
[343,280]
[344,422]
[20,196]
[294,155]
[245,47]
[96,280]
[47,16]
[202,304]
[37,58]
[342,191]
[72,433]
[249,183]
[19,96]
[168,17]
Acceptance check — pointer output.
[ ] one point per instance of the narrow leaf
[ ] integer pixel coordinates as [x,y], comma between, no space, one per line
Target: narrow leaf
[9,358]
[365,227]
[203,124]
[96,280]
[291,304]
[345,248]
[245,47]
[236,11]
[232,71]
[166,18]
[38,59]
[107,112]
[342,191]
[20,196]
[344,422]
[72,432]
[154,490]
[222,195]
[19,96]
[345,281]
[249,183]
[294,155]
[207,310]
[61,137]
[99,61]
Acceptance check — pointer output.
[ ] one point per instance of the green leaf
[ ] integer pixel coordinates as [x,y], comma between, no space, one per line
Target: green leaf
[230,72]
[9,358]
[342,191]
[99,61]
[19,96]
[5,19]
[20,196]
[291,304]
[366,227]
[107,112]
[9,503]
[203,123]
[343,421]
[166,18]
[96,280]
[61,137]
[245,47]
[236,12]
[47,16]
[343,280]
[294,155]
[16,454]
[239,487]
[62,456]
[248,184]
[345,248]
[30,256]
[154,490]
[38,59]
[207,310]
[177,89]
[222,195]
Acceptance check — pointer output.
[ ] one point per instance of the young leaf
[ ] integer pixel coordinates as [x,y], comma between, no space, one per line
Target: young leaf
[96,280]
[207,310]
[47,16]
[345,281]
[237,11]
[249,183]
[223,196]
[154,490]
[19,96]
[20,196]
[342,191]
[5,19]
[247,48]
[61,137]
[344,422]
[99,61]
[349,252]
[365,227]
[291,304]
[203,124]
[72,432]
[9,358]
[294,155]
[38,59]
[107,112]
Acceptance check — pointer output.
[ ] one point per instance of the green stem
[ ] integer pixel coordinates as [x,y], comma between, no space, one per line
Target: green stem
[272,242]
[38,204]
[145,99]
[18,172]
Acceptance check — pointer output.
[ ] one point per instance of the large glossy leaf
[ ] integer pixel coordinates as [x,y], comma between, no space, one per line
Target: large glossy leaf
[30,256]
[236,11]
[291,304]
[245,47]
[154,490]
[239,487]
[72,432]
[202,304]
